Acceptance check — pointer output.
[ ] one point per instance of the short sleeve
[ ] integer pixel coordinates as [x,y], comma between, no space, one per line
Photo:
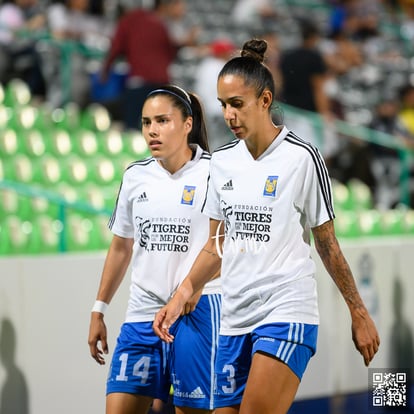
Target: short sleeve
[314,195]
[121,222]
[211,205]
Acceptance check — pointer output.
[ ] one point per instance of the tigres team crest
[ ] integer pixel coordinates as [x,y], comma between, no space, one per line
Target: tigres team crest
[270,186]
[188,195]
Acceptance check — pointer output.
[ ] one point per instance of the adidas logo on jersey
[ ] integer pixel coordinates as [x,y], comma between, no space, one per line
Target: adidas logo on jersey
[142,197]
[228,185]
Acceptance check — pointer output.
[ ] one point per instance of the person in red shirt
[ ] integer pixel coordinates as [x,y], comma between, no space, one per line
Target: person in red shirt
[142,38]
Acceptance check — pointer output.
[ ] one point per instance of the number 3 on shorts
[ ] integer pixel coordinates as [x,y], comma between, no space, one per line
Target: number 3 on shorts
[230,378]
[141,368]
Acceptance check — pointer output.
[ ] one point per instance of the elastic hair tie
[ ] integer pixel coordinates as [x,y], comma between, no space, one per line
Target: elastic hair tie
[187,103]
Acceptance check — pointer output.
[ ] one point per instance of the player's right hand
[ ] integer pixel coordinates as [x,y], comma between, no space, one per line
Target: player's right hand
[97,333]
[165,317]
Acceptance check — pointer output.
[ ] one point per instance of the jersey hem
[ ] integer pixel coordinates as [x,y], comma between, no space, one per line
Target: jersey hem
[247,330]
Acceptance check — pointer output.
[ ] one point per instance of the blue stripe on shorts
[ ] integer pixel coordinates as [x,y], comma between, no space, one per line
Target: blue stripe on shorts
[193,354]
[293,343]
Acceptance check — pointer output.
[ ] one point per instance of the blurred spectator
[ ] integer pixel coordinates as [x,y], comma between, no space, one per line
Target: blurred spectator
[253,14]
[181,33]
[143,38]
[357,18]
[79,29]
[205,85]
[304,73]
[406,113]
[80,20]
[385,161]
[18,53]
[407,23]
[304,80]
[273,57]
[341,53]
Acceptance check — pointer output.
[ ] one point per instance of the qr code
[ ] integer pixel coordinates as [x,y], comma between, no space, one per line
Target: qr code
[389,388]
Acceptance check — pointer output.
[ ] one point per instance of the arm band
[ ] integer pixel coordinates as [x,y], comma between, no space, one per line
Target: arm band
[100,306]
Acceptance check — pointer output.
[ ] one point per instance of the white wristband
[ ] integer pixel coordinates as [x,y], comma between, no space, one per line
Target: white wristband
[100,306]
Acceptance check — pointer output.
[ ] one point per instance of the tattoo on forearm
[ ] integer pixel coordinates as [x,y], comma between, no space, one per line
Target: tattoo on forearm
[209,252]
[337,266]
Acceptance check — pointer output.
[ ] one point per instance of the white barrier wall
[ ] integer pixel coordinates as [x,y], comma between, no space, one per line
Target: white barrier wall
[45,302]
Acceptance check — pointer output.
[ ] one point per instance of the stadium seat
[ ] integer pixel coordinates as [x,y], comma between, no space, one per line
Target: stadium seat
[26,117]
[13,203]
[346,225]
[59,143]
[33,143]
[45,235]
[79,233]
[85,143]
[5,116]
[360,195]
[341,196]
[22,169]
[40,205]
[102,170]
[392,222]
[67,192]
[135,145]
[17,232]
[17,93]
[370,222]
[9,202]
[9,143]
[111,143]
[76,171]
[95,118]
[48,171]
[94,196]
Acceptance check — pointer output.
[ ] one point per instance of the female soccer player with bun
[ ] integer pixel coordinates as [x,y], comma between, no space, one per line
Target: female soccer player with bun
[268,189]
[158,227]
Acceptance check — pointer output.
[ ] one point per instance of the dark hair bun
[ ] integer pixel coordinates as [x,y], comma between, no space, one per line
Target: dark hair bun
[255,49]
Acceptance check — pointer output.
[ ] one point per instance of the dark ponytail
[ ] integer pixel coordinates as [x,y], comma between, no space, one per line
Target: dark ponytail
[198,134]
[189,105]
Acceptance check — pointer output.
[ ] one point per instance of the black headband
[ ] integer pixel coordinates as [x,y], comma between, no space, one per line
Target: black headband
[186,102]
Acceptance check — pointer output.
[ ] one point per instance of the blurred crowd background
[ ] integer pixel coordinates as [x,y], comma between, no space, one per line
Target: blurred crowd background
[344,71]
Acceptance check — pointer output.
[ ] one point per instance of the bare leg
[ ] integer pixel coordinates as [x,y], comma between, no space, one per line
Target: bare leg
[271,387]
[123,403]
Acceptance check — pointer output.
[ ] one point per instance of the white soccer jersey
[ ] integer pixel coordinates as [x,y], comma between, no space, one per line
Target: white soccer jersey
[268,206]
[162,213]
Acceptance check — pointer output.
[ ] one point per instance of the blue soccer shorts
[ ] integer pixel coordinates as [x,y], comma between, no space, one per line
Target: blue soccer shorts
[139,363]
[193,354]
[292,343]
[142,364]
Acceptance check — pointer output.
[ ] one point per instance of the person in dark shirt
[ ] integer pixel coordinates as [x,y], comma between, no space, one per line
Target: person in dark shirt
[142,38]
[304,73]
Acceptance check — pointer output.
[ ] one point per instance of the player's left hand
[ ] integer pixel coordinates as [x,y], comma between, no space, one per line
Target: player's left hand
[365,335]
